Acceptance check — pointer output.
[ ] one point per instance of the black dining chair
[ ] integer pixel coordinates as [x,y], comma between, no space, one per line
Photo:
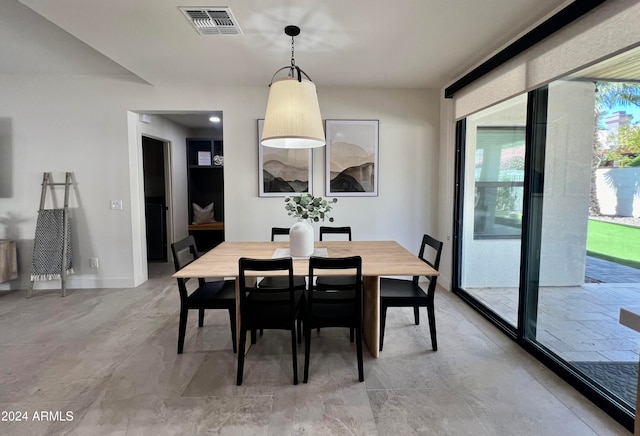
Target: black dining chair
[336,305]
[281,281]
[408,293]
[335,280]
[326,230]
[219,294]
[279,231]
[277,308]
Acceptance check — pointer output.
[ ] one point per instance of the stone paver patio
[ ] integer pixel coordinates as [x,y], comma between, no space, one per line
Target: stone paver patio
[581,323]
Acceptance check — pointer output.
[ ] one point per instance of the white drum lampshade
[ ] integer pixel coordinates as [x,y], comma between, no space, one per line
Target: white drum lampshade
[292,119]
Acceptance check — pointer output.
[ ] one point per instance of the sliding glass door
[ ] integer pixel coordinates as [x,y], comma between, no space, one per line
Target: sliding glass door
[548,230]
[581,288]
[493,199]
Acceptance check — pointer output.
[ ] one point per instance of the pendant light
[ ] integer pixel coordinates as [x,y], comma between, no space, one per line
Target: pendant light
[292,119]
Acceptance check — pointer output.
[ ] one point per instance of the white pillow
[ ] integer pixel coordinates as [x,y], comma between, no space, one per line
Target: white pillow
[202,215]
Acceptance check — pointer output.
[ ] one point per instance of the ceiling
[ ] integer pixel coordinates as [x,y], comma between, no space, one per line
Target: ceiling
[195,120]
[362,43]
[624,67]
[355,43]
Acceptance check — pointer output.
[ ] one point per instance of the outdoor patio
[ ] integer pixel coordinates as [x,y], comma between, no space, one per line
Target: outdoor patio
[580,324]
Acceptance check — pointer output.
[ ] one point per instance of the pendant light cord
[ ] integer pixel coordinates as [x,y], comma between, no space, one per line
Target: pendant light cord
[293,68]
[293,61]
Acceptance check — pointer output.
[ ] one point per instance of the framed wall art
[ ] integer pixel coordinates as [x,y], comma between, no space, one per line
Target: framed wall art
[283,172]
[204,158]
[351,163]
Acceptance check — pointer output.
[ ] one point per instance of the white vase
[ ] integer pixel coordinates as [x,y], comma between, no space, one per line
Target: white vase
[301,239]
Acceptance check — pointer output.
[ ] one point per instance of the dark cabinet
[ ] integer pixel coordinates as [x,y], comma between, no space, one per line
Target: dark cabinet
[205,173]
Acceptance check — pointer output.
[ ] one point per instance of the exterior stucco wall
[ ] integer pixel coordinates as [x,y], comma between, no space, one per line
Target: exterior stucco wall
[618,191]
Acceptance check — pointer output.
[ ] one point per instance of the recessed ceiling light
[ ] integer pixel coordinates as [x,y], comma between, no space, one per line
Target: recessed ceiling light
[214,119]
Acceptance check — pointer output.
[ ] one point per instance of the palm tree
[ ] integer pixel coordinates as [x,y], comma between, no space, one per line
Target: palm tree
[608,95]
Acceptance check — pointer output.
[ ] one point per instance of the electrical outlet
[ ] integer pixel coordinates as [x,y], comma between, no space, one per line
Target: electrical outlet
[116,204]
[94,262]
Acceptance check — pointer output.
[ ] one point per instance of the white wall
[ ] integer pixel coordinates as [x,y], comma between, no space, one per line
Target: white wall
[567,183]
[619,191]
[408,170]
[73,124]
[446,190]
[85,124]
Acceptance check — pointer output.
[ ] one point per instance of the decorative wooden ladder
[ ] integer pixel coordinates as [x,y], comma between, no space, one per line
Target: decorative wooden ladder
[47,183]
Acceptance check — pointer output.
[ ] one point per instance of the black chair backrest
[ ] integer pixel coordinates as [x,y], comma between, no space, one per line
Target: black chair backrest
[436,246]
[346,230]
[261,265]
[279,231]
[180,260]
[353,263]
[178,247]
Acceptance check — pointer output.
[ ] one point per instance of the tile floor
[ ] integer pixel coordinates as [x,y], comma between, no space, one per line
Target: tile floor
[109,357]
[581,323]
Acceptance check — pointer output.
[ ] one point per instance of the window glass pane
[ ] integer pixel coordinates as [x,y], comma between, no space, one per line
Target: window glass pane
[499,172]
[589,261]
[493,198]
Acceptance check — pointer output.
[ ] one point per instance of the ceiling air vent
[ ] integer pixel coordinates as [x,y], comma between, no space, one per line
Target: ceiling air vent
[212,21]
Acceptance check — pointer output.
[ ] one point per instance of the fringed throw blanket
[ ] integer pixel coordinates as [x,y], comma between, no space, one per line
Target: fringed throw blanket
[48,246]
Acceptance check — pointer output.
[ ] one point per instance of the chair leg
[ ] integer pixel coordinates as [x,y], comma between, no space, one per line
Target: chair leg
[383,321]
[200,317]
[232,321]
[416,315]
[359,353]
[253,336]
[432,326]
[243,340]
[307,351]
[294,352]
[182,328]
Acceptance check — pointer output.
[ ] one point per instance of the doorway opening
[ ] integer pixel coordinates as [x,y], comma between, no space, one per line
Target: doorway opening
[163,137]
[155,170]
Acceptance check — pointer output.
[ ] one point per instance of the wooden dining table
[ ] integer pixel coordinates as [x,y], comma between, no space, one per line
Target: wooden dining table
[379,258]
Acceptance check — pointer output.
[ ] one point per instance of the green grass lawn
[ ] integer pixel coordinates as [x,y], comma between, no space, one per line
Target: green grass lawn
[615,242]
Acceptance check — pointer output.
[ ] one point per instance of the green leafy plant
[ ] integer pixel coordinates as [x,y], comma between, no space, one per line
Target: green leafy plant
[626,149]
[306,206]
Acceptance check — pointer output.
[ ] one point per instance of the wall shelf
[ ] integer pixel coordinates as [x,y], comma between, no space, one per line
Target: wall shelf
[206,186]
[218,225]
